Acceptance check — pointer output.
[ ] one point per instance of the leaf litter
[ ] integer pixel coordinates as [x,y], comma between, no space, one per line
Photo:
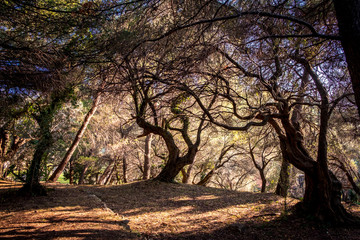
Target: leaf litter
[155,210]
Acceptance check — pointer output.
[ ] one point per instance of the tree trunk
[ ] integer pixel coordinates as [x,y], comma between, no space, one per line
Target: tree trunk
[207,178]
[124,169]
[54,177]
[324,203]
[82,175]
[110,176]
[175,163]
[1,169]
[171,169]
[263,180]
[71,171]
[348,16]
[106,173]
[284,178]
[32,185]
[146,174]
[186,174]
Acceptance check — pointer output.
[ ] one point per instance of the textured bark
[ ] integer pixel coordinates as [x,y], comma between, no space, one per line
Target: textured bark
[124,168]
[71,171]
[103,178]
[348,16]
[284,179]
[263,181]
[82,175]
[175,162]
[9,146]
[146,173]
[323,190]
[54,177]
[32,185]
[186,174]
[110,176]
[44,119]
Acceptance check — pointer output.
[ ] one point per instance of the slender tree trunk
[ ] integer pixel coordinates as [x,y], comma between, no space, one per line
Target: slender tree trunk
[207,178]
[186,174]
[106,173]
[263,180]
[146,174]
[348,16]
[71,171]
[1,169]
[54,177]
[110,176]
[124,166]
[82,175]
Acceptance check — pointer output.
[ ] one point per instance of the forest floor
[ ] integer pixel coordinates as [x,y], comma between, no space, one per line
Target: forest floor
[154,210]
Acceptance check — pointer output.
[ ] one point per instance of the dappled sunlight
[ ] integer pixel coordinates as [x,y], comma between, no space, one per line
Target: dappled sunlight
[141,210]
[65,212]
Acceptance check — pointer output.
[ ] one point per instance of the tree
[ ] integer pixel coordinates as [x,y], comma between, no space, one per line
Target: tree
[44,118]
[276,102]
[262,150]
[75,143]
[348,16]
[147,156]
[218,164]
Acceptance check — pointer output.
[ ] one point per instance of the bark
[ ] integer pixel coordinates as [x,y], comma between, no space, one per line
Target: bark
[110,176]
[82,175]
[284,178]
[146,173]
[54,177]
[348,176]
[263,180]
[71,171]
[175,162]
[258,167]
[186,174]
[8,148]
[207,178]
[348,16]
[323,190]
[32,185]
[106,173]
[44,119]
[1,169]
[124,167]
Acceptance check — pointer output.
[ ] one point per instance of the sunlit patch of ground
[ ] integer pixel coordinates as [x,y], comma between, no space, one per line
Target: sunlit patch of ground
[66,213]
[154,210]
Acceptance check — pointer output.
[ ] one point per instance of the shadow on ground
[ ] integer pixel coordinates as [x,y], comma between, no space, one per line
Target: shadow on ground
[153,210]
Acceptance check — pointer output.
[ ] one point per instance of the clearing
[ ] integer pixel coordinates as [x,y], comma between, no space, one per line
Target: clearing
[154,210]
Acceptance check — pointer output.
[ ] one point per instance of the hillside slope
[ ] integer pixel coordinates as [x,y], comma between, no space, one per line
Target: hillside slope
[154,210]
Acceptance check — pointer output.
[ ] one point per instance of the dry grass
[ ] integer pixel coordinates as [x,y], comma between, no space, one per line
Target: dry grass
[154,210]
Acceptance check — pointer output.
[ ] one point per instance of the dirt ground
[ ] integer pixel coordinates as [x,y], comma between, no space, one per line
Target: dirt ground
[154,210]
